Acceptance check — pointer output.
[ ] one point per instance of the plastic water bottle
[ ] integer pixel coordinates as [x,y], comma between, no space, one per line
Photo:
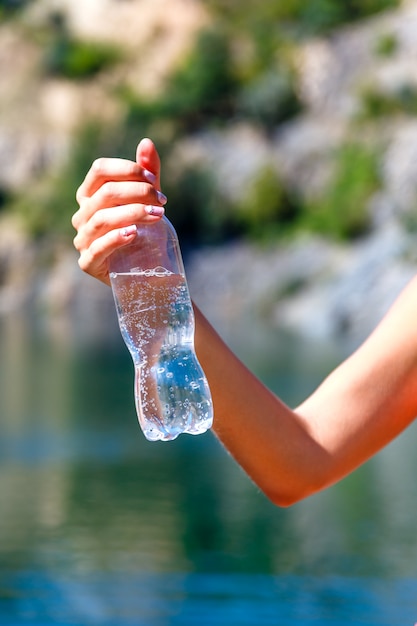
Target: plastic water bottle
[156,321]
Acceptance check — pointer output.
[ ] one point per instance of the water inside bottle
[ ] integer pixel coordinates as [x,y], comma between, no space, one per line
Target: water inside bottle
[157,324]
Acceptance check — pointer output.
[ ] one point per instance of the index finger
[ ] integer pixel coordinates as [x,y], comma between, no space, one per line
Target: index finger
[106,169]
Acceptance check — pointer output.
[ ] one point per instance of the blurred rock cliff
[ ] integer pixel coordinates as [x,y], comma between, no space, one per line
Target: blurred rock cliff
[356,84]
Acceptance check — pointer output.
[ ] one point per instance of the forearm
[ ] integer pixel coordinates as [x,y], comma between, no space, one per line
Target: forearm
[361,406]
[269,440]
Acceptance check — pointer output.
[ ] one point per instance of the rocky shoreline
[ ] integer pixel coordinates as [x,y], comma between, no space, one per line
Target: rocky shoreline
[311,287]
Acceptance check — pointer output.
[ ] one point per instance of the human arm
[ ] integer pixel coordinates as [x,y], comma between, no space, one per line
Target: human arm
[290,454]
[362,405]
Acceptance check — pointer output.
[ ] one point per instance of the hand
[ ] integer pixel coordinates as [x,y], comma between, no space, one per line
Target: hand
[115,195]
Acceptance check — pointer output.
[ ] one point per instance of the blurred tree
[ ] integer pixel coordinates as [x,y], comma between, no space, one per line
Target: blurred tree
[72,58]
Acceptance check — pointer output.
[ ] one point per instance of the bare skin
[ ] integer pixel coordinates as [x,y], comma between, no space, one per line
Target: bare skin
[363,405]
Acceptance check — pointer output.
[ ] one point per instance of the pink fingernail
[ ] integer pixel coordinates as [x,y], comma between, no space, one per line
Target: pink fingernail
[161,197]
[158,211]
[149,176]
[128,231]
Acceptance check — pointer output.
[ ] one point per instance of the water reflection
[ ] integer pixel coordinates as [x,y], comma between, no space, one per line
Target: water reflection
[97,525]
[207,600]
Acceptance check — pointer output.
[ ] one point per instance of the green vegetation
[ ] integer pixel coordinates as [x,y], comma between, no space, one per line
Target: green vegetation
[268,209]
[10,7]
[199,211]
[204,87]
[270,98]
[207,89]
[376,103]
[241,68]
[79,60]
[5,197]
[342,209]
[296,16]
[48,205]
[70,58]
[386,45]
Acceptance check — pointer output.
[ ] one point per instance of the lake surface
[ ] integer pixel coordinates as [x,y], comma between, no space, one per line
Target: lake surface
[99,526]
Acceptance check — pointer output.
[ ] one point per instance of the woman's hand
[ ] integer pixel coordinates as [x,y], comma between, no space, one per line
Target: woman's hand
[115,195]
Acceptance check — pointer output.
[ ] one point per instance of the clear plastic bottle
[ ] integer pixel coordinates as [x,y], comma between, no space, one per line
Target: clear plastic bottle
[156,321]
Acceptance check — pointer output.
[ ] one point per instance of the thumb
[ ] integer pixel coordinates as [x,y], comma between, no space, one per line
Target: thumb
[147,156]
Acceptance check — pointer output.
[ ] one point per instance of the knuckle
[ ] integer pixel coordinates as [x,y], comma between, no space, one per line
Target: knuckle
[76,242]
[85,262]
[82,263]
[110,191]
[75,221]
[96,222]
[98,167]
[80,194]
[142,192]
[84,266]
[102,222]
[79,216]
[132,212]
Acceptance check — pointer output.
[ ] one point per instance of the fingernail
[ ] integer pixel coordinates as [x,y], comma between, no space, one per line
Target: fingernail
[128,231]
[149,176]
[161,197]
[155,210]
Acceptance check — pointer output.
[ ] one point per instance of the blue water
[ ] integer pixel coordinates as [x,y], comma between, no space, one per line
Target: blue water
[99,526]
[205,599]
